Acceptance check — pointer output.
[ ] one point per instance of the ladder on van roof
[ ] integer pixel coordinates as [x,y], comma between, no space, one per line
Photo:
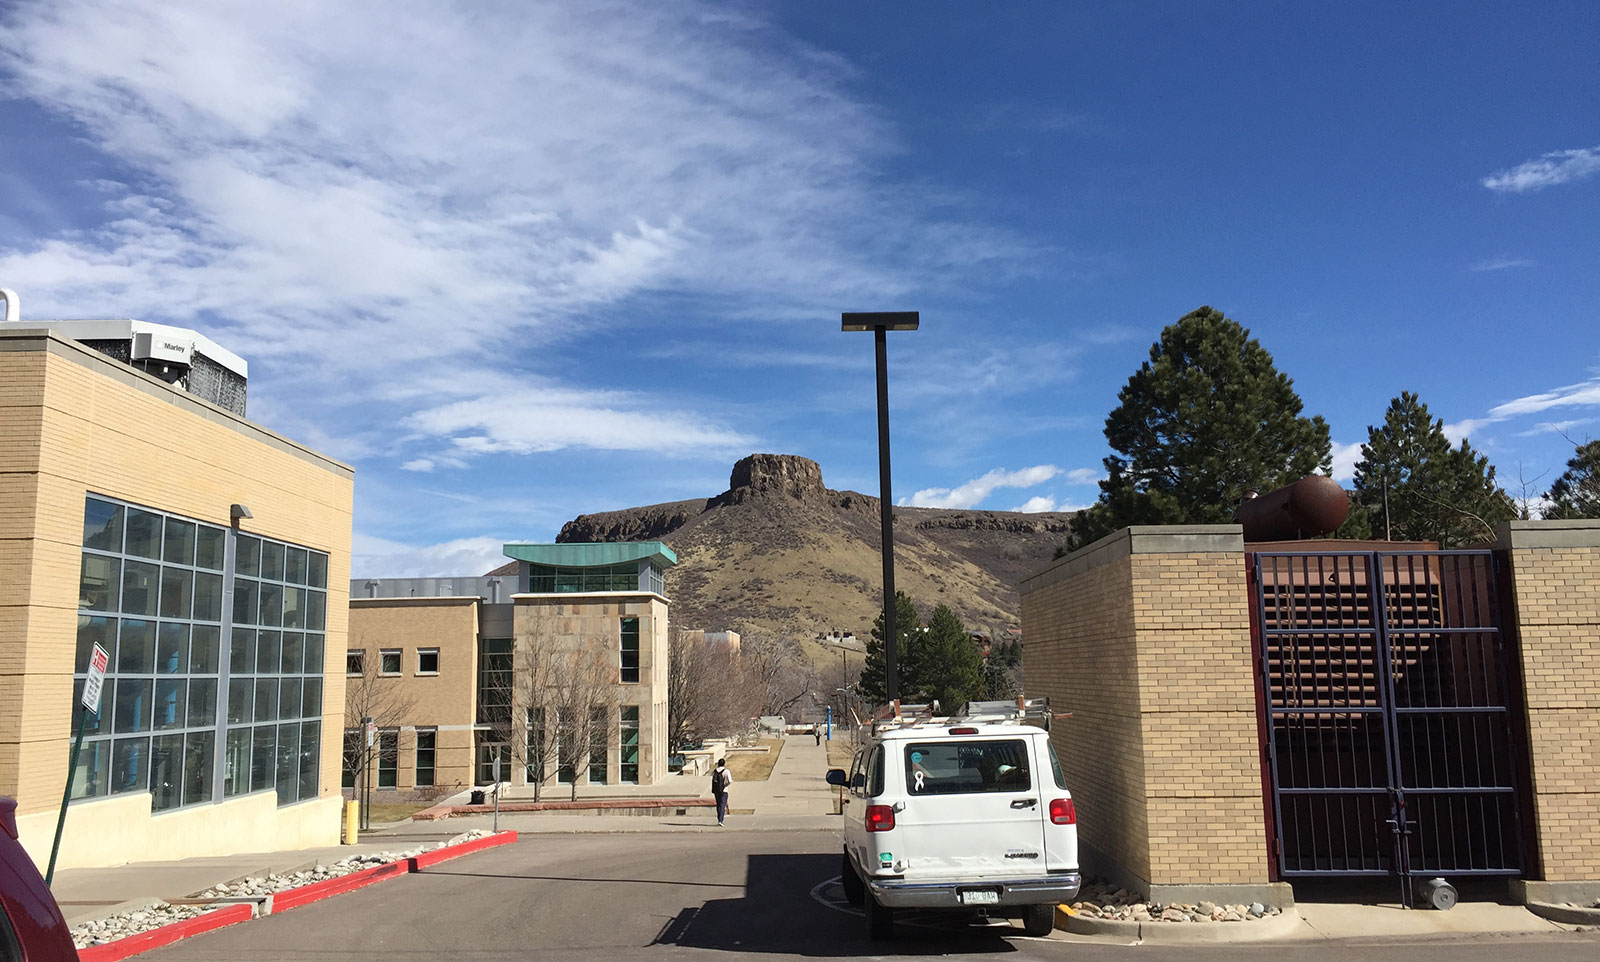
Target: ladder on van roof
[1017,711]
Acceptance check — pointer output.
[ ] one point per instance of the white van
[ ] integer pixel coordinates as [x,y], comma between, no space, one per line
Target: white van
[968,813]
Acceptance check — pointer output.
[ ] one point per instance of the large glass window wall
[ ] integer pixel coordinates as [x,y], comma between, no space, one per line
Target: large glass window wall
[214,686]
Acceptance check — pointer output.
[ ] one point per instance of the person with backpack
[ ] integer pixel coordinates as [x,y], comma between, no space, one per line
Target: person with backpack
[721,778]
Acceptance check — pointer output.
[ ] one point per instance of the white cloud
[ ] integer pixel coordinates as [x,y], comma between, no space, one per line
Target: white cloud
[1585,394]
[418,464]
[462,557]
[1556,167]
[1502,263]
[1085,476]
[1034,505]
[1345,457]
[1463,429]
[1555,427]
[973,493]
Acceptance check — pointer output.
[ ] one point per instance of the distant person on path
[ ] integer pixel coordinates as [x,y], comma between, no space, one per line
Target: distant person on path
[818,733]
[721,778]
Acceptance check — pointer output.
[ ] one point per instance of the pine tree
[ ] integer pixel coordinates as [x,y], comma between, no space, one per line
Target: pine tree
[1207,418]
[1576,494]
[944,664]
[906,626]
[1411,485]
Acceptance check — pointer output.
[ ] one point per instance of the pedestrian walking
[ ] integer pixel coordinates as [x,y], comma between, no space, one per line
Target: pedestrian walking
[721,778]
[818,733]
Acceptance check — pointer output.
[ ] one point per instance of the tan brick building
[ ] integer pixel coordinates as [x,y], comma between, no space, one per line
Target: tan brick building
[1146,637]
[459,681]
[209,557]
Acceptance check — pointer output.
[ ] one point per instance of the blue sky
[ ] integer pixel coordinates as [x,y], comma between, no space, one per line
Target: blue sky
[520,261]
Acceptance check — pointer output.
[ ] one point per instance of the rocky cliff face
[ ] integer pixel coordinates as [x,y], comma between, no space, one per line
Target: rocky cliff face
[779,552]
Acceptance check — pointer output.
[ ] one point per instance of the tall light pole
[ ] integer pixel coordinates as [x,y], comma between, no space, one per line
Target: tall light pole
[879,323]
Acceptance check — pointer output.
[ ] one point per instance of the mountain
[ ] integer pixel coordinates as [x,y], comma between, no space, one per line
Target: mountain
[779,553]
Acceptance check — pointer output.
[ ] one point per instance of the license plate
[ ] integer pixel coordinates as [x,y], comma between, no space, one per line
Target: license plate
[980,897]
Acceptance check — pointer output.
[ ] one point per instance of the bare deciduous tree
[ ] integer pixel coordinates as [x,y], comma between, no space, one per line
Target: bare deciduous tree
[566,698]
[780,672]
[708,694]
[367,694]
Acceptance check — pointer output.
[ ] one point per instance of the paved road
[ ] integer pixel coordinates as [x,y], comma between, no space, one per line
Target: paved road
[726,895]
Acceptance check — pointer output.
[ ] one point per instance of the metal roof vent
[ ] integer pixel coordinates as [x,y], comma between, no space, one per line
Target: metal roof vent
[13,309]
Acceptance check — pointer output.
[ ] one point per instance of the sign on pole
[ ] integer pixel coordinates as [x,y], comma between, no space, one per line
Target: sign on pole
[372,732]
[96,680]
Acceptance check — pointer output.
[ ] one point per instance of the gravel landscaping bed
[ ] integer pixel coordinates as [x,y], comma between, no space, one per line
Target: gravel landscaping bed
[1101,901]
[124,924]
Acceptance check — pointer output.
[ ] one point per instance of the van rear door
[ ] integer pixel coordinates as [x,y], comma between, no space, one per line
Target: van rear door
[972,807]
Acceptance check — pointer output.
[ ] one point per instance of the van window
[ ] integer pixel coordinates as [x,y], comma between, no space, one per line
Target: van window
[875,773]
[1055,766]
[855,769]
[967,767]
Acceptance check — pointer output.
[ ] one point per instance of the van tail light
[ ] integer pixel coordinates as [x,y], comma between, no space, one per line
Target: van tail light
[1062,812]
[880,818]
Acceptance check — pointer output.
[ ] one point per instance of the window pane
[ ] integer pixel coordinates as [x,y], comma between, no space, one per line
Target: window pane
[271,604]
[388,759]
[94,630]
[294,607]
[197,760]
[136,649]
[355,662]
[177,592]
[269,652]
[92,776]
[263,756]
[179,545]
[316,610]
[314,662]
[172,649]
[247,560]
[294,565]
[207,597]
[202,702]
[208,548]
[170,711]
[91,721]
[266,701]
[390,665]
[245,598]
[129,757]
[319,570]
[294,653]
[203,650]
[144,534]
[289,698]
[139,583]
[100,583]
[288,780]
[953,768]
[271,561]
[428,661]
[242,652]
[102,525]
[236,771]
[241,700]
[311,699]
[166,771]
[310,755]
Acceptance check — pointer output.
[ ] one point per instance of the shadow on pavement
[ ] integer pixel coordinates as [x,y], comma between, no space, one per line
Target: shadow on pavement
[777,913]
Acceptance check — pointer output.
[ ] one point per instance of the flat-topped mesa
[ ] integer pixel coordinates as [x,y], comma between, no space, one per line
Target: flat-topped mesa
[767,474]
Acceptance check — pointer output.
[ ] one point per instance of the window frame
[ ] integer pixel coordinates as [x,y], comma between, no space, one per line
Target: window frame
[360,659]
[432,750]
[623,667]
[421,652]
[399,655]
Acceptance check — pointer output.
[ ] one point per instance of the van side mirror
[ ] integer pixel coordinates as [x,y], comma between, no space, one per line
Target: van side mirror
[836,776]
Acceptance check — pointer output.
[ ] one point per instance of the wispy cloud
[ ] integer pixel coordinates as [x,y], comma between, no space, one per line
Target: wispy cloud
[973,493]
[418,464]
[1556,167]
[1504,262]
[380,558]
[1583,394]
[1345,458]
[1555,427]
[1084,476]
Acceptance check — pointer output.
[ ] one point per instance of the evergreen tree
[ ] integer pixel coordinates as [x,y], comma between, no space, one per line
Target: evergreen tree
[1576,494]
[1411,485]
[906,626]
[1207,418]
[944,664]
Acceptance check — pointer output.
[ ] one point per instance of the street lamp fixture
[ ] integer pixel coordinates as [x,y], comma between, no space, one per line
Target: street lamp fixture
[879,323]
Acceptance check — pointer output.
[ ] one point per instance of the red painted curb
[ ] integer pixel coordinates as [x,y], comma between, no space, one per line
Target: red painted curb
[419,862]
[304,895]
[165,935]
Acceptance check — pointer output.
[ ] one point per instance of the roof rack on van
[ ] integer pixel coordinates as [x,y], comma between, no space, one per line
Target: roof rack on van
[1017,711]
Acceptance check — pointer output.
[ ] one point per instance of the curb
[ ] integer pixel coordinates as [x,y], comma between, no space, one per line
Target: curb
[606,805]
[1266,929]
[284,901]
[1565,914]
[166,934]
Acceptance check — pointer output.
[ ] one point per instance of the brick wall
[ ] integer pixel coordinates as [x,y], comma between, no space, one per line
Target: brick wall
[1555,573]
[1145,637]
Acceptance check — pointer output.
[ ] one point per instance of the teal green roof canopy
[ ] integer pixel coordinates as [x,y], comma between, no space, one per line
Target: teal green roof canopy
[595,555]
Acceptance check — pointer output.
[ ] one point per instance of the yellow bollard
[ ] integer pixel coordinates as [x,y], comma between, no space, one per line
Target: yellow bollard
[352,821]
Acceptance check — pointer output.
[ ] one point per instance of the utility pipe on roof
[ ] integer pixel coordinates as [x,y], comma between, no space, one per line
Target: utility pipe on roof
[13,307]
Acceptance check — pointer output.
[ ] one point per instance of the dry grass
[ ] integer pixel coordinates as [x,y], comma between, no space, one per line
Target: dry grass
[755,766]
[840,751]
[385,812]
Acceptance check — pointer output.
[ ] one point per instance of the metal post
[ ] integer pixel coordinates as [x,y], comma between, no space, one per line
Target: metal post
[66,796]
[497,789]
[830,722]
[886,522]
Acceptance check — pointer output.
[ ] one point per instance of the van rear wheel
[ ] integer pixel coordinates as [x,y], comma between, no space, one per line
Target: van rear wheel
[880,919]
[850,882]
[1039,919]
